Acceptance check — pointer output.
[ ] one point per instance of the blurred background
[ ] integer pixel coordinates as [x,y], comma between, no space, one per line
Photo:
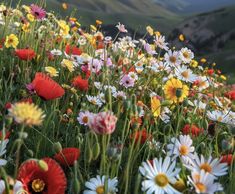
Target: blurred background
[208,25]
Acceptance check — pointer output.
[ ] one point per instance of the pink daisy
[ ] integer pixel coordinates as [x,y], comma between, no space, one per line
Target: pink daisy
[37,11]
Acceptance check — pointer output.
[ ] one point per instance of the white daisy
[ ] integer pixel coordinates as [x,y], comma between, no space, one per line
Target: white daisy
[56,52]
[203,83]
[164,116]
[172,58]
[199,104]
[160,42]
[83,117]
[210,165]
[181,147]
[120,95]
[159,176]
[203,182]
[98,85]
[97,185]
[17,187]
[185,74]
[3,150]
[186,55]
[160,66]
[94,100]
[218,116]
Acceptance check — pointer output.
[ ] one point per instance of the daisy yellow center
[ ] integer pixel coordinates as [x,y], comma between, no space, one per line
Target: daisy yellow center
[202,84]
[201,187]
[161,180]
[38,185]
[172,59]
[185,74]
[100,190]
[186,55]
[183,150]
[85,119]
[206,167]
[220,119]
[93,102]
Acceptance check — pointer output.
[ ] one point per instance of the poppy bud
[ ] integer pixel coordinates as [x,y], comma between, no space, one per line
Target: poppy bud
[57,147]
[23,135]
[180,185]
[76,186]
[43,165]
[30,152]
[96,151]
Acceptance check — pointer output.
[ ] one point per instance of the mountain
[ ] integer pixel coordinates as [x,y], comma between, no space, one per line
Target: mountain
[211,35]
[193,6]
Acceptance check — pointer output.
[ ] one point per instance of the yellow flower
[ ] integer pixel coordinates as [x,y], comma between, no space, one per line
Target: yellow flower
[93,28]
[203,60]
[30,17]
[175,91]
[65,6]
[149,30]
[98,22]
[26,113]
[52,71]
[64,28]
[11,41]
[223,77]
[181,38]
[155,106]
[157,33]
[26,27]
[68,64]
[26,8]
[194,63]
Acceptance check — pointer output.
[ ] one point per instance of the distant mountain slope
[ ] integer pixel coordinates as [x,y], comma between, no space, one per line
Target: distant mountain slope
[212,35]
[193,6]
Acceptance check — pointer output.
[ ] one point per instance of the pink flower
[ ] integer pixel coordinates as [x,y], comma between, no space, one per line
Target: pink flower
[37,12]
[127,81]
[103,122]
[121,27]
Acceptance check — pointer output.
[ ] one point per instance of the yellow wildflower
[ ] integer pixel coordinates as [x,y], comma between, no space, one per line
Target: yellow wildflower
[175,90]
[98,22]
[64,6]
[30,17]
[64,28]
[11,41]
[203,60]
[181,38]
[52,71]
[68,64]
[223,77]
[26,113]
[155,106]
[149,30]
[194,63]
[26,27]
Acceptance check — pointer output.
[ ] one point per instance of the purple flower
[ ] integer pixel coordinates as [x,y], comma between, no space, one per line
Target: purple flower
[37,12]
[30,88]
[127,81]
[95,65]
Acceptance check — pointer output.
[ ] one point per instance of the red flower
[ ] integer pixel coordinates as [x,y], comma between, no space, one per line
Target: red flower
[81,84]
[141,136]
[230,95]
[28,100]
[191,129]
[210,71]
[38,180]
[67,156]
[25,54]
[46,87]
[7,105]
[72,50]
[227,159]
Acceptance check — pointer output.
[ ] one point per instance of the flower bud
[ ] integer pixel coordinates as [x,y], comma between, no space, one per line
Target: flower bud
[180,185]
[225,145]
[76,186]
[96,151]
[57,147]
[23,135]
[178,92]
[43,165]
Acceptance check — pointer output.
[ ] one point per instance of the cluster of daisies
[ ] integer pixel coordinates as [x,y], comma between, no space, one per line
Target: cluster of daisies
[85,112]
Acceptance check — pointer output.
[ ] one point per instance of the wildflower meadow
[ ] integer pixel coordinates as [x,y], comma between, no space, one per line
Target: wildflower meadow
[85,112]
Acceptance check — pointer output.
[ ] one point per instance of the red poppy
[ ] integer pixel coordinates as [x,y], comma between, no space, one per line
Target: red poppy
[230,95]
[37,180]
[72,50]
[46,87]
[81,84]
[210,71]
[8,105]
[192,129]
[227,159]
[25,54]
[141,136]
[67,156]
